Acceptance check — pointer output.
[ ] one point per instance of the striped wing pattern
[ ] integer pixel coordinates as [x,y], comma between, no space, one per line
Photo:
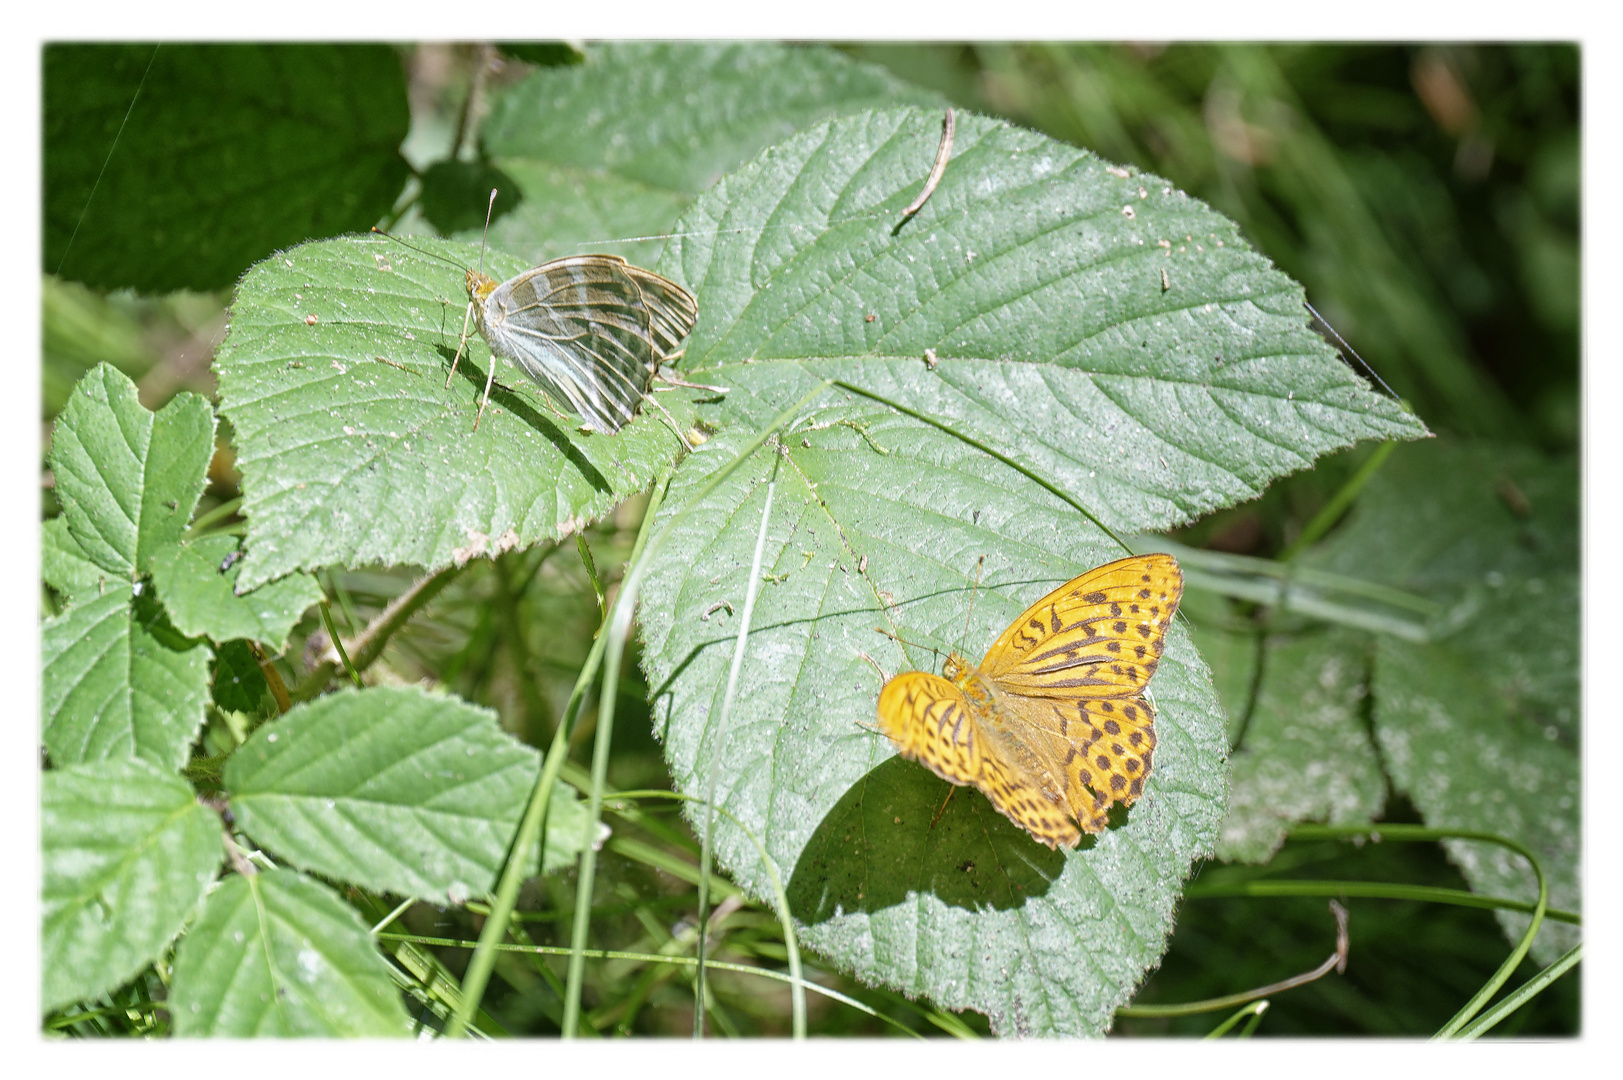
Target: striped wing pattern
[1097,636]
[591,330]
[1052,726]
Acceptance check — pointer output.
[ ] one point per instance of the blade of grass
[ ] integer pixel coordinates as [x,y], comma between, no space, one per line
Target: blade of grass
[219,513]
[1376,890]
[1421,833]
[619,627]
[532,830]
[1523,994]
[1253,1010]
[591,573]
[751,591]
[653,958]
[1331,512]
[338,643]
[1337,961]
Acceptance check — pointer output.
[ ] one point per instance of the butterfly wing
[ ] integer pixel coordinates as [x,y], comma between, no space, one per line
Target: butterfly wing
[1069,671]
[1099,635]
[591,329]
[1103,748]
[932,722]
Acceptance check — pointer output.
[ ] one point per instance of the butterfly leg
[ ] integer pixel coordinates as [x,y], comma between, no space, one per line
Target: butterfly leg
[486,401]
[559,413]
[672,380]
[460,345]
[672,420]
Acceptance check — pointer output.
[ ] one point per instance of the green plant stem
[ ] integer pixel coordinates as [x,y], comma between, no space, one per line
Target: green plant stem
[1041,481]
[1331,512]
[203,521]
[338,643]
[653,958]
[1304,590]
[1523,994]
[1253,1010]
[532,829]
[1421,833]
[619,628]
[370,644]
[1375,890]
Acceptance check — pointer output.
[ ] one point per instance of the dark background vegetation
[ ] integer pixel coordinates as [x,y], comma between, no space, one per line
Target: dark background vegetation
[1426,196]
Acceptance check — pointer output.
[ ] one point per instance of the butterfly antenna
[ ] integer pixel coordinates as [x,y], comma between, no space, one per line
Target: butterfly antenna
[980,564]
[900,640]
[489,210]
[1322,321]
[419,250]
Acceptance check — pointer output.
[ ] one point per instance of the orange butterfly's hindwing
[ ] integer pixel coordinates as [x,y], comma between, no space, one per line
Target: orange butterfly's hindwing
[1052,725]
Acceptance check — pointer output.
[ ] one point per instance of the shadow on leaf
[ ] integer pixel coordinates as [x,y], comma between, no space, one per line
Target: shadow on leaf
[509,399]
[877,846]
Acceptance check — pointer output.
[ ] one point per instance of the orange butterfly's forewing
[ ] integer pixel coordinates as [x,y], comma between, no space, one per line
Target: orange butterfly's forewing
[1051,726]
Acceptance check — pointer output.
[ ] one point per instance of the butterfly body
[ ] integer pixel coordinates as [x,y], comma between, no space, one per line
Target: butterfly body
[590,330]
[1051,725]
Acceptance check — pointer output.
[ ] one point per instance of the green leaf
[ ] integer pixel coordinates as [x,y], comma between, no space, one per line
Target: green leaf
[1057,346]
[456,195]
[127,479]
[1481,727]
[128,854]
[1071,390]
[238,683]
[1307,755]
[619,146]
[279,954]
[176,166]
[969,911]
[1443,516]
[201,602]
[353,451]
[65,566]
[119,682]
[1469,760]
[393,789]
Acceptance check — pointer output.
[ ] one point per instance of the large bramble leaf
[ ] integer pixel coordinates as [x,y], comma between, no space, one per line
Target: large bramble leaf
[1481,726]
[396,790]
[279,954]
[1052,347]
[128,854]
[619,146]
[175,166]
[352,449]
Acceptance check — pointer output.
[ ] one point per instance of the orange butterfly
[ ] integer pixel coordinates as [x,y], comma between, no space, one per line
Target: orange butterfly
[1051,726]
